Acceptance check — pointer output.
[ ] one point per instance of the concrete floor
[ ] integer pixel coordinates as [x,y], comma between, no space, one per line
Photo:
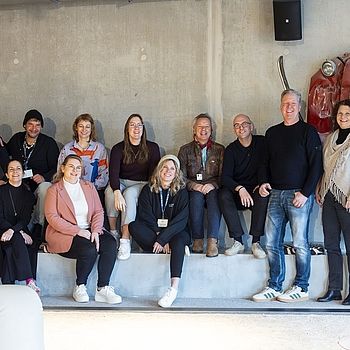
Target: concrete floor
[67,330]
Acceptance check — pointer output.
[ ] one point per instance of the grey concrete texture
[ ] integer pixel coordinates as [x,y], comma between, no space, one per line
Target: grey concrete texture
[167,60]
[147,275]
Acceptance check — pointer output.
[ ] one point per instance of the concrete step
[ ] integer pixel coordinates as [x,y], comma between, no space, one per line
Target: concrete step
[147,275]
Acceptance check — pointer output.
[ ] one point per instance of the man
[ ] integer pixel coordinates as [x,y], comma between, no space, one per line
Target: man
[293,168]
[39,154]
[201,163]
[242,160]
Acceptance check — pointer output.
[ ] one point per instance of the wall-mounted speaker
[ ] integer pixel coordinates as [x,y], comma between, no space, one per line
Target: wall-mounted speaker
[287,20]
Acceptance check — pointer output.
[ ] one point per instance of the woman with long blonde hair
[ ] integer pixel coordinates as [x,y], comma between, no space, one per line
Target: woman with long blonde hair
[161,220]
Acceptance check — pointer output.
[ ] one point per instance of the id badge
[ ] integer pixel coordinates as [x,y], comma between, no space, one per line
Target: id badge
[162,222]
[28,173]
[199,177]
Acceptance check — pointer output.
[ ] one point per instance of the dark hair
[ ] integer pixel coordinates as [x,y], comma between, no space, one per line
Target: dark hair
[345,102]
[13,160]
[88,118]
[128,155]
[59,174]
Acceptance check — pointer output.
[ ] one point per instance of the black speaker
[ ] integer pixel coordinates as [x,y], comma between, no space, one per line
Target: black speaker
[287,20]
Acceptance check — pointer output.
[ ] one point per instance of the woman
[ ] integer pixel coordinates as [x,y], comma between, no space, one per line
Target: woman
[334,196]
[132,163]
[75,220]
[93,153]
[4,159]
[161,221]
[18,246]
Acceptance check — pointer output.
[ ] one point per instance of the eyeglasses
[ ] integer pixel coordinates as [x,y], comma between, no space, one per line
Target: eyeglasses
[242,125]
[135,126]
[75,168]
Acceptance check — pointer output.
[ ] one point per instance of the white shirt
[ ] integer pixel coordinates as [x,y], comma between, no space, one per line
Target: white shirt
[78,199]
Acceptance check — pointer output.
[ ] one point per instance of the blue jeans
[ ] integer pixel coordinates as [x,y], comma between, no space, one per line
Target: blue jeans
[281,210]
[197,203]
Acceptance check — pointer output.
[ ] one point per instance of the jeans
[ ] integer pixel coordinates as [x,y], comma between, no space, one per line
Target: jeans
[281,210]
[230,203]
[335,219]
[198,201]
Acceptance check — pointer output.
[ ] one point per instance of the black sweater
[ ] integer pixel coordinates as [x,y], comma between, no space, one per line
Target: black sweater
[294,157]
[23,202]
[149,211]
[43,160]
[241,164]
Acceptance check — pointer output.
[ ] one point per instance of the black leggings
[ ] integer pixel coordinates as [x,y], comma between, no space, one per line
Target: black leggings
[19,260]
[86,254]
[146,238]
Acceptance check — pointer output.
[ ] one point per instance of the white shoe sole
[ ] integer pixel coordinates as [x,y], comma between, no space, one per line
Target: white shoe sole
[102,300]
[292,300]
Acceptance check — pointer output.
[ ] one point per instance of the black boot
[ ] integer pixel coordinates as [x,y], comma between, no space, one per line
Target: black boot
[330,295]
[346,301]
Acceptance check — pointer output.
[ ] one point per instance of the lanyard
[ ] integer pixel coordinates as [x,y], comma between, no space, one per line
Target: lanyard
[25,156]
[162,206]
[13,204]
[204,157]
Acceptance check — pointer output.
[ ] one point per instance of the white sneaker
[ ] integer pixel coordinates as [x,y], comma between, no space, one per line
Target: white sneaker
[107,295]
[32,285]
[293,294]
[257,251]
[124,249]
[80,294]
[267,294]
[187,251]
[237,248]
[168,298]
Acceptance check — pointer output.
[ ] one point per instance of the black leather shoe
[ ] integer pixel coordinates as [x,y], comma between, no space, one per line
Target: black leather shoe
[331,295]
[346,301]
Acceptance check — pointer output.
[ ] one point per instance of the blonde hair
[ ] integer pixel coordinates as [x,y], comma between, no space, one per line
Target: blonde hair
[177,184]
[59,175]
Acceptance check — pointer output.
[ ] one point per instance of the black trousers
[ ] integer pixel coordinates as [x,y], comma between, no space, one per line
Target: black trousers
[146,238]
[84,251]
[230,203]
[335,219]
[19,261]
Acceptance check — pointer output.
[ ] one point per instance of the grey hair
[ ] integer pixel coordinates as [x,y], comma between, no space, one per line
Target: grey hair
[202,116]
[292,91]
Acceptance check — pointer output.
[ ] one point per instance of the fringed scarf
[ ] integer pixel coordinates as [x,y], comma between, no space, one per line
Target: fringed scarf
[336,163]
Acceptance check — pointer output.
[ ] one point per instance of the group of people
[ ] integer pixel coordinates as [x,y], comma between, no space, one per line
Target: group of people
[163,202]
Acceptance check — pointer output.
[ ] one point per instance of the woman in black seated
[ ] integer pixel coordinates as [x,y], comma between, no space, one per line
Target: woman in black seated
[18,247]
[4,159]
[334,196]
[161,220]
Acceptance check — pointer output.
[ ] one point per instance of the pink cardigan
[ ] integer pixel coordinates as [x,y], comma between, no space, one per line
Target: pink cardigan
[59,212]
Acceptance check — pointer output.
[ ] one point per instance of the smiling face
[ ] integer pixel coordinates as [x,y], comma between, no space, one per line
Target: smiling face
[167,173]
[72,170]
[202,130]
[290,108]
[32,128]
[84,130]
[135,130]
[243,127]
[14,173]
[343,117]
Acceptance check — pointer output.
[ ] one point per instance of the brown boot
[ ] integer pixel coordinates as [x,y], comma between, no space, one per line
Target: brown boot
[197,246]
[212,248]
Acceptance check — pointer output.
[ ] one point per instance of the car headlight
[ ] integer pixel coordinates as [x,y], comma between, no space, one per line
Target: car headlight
[328,68]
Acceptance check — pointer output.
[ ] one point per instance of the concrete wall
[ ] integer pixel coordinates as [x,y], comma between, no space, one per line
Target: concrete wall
[167,60]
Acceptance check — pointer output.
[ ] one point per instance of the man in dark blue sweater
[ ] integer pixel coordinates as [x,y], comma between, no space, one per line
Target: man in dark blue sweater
[240,190]
[290,175]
